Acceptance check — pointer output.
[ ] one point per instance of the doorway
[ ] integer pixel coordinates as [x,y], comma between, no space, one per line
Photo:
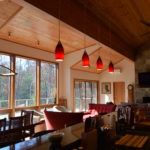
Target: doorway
[85,92]
[119,92]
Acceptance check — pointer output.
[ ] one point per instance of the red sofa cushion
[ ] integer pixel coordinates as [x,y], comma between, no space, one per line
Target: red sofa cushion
[102,108]
[57,120]
[95,109]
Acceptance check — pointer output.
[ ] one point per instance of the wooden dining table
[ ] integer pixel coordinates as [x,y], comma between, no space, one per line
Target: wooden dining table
[71,135]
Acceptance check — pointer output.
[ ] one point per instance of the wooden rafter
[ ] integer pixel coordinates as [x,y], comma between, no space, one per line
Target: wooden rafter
[11,17]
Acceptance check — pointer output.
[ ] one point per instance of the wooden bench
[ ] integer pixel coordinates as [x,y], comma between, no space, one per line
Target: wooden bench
[132,142]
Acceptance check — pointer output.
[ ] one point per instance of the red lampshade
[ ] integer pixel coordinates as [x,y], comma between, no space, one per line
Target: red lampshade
[111,67]
[85,60]
[59,52]
[99,64]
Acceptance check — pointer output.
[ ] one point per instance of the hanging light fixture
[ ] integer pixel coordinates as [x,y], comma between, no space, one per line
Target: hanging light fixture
[85,60]
[85,56]
[111,67]
[99,64]
[59,50]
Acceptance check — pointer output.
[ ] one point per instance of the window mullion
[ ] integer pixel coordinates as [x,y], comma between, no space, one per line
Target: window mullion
[12,86]
[38,78]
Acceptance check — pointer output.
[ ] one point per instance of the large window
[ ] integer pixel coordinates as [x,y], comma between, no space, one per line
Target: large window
[48,83]
[4,81]
[85,93]
[34,86]
[25,82]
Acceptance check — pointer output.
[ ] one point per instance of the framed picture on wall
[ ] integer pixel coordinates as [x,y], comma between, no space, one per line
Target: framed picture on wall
[106,88]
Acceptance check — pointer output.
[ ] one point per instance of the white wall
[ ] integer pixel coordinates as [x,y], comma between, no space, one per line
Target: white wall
[127,75]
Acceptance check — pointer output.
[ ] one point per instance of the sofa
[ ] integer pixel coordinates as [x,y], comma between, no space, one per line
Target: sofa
[58,120]
[99,109]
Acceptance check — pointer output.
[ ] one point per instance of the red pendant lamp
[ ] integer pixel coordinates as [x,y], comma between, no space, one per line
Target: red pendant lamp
[59,52]
[99,64]
[111,67]
[85,60]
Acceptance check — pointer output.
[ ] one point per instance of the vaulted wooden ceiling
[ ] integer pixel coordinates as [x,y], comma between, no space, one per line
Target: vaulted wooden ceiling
[73,12]
[23,26]
[124,18]
[115,23]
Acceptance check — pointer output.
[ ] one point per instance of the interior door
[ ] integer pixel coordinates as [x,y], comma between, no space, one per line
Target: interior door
[119,92]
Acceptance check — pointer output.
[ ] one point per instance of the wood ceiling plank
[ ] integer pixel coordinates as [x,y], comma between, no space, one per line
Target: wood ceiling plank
[124,18]
[10,18]
[7,9]
[34,28]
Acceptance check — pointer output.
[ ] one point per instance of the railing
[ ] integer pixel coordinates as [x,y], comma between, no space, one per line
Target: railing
[27,102]
[4,103]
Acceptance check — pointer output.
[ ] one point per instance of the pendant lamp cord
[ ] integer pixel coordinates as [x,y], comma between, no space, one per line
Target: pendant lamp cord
[59,18]
[84,27]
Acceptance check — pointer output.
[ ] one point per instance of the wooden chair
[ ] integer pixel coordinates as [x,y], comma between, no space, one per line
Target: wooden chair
[28,124]
[2,129]
[16,122]
[2,124]
[28,116]
[15,132]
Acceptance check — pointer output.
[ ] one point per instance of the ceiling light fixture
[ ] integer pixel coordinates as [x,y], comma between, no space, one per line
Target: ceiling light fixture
[85,56]
[111,67]
[59,50]
[99,64]
[85,60]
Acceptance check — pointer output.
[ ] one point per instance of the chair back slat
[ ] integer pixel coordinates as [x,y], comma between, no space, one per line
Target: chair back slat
[28,116]
[16,122]
[2,124]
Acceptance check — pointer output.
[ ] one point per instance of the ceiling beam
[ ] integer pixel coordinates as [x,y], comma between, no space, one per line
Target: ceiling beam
[11,17]
[75,15]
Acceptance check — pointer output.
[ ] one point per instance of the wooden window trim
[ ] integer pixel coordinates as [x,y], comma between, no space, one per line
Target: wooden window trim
[12,108]
[86,80]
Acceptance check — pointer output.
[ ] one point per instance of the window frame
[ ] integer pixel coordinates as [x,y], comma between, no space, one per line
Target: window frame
[85,80]
[11,108]
[9,105]
[43,105]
